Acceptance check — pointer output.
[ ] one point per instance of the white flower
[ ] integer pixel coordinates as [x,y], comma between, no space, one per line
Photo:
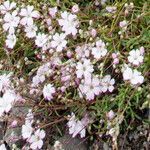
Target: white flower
[2,147]
[48,91]
[137,78]
[84,69]
[107,84]
[31,31]
[59,42]
[83,51]
[53,11]
[79,129]
[133,76]
[7,6]
[4,82]
[90,88]
[36,140]
[69,23]
[6,101]
[100,50]
[27,130]
[11,21]
[28,14]
[11,41]
[41,39]
[127,73]
[44,70]
[76,126]
[135,57]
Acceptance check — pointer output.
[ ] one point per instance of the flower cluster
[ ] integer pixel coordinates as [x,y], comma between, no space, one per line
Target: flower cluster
[133,76]
[34,136]
[8,94]
[74,61]
[135,58]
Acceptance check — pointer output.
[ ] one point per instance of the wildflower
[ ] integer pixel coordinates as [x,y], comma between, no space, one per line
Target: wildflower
[53,11]
[44,70]
[48,91]
[6,102]
[107,84]
[135,57]
[11,21]
[41,39]
[83,51]
[4,82]
[27,130]
[36,139]
[31,31]
[7,6]
[69,23]
[100,50]
[133,76]
[28,14]
[2,147]
[84,69]
[93,32]
[76,126]
[90,88]
[11,41]
[59,42]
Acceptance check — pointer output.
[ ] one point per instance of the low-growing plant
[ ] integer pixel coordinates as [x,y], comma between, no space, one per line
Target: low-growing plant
[80,67]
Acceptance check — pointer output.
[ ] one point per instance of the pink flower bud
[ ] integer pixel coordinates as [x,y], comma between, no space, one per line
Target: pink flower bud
[48,21]
[63,88]
[116,61]
[93,33]
[123,24]
[14,124]
[69,54]
[75,8]
[110,115]
[53,11]
[114,55]
[142,51]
